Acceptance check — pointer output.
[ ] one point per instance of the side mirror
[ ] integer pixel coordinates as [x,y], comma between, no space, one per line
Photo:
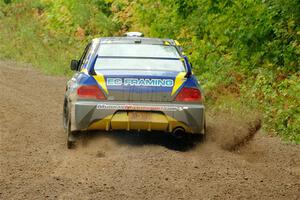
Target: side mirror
[74,65]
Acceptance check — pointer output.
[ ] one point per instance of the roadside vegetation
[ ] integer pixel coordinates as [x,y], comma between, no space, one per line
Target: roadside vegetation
[246,53]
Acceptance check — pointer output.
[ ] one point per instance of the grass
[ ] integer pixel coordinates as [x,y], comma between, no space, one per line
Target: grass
[25,41]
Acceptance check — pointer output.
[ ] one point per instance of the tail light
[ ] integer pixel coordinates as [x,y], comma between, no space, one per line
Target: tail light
[189,95]
[91,92]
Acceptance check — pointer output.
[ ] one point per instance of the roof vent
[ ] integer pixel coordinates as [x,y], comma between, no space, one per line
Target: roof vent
[134,34]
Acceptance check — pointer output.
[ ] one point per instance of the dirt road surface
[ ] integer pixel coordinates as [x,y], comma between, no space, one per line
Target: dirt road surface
[35,163]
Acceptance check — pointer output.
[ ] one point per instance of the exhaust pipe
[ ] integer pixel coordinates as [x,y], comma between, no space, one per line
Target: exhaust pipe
[178,132]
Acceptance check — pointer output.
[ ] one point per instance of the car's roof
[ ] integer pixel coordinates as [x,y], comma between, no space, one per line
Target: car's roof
[134,40]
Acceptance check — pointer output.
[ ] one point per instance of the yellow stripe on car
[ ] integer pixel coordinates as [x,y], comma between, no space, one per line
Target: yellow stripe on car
[180,79]
[101,81]
[132,120]
[84,70]
[103,124]
[177,43]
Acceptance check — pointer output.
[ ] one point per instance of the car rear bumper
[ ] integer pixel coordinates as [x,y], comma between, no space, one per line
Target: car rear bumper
[113,115]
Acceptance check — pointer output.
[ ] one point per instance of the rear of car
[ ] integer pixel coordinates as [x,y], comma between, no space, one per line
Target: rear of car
[133,83]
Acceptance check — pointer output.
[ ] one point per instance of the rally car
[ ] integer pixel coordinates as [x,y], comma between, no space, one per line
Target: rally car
[133,83]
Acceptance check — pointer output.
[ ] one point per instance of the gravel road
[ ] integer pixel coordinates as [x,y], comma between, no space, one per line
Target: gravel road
[35,163]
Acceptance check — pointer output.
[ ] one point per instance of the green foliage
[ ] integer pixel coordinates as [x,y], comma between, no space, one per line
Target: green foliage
[7,1]
[26,40]
[49,33]
[68,17]
[246,49]
[279,97]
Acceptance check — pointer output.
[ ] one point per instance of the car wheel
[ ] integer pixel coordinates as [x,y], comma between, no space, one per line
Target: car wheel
[65,114]
[71,140]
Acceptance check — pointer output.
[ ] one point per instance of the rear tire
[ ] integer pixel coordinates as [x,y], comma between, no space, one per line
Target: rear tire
[65,114]
[71,144]
[71,139]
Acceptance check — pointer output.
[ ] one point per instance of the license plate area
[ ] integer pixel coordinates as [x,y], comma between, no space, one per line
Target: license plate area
[139,120]
[139,116]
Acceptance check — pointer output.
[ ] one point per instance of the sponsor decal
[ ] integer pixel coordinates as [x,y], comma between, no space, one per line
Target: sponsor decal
[140,107]
[140,82]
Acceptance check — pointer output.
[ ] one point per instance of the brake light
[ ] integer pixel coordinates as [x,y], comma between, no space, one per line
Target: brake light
[90,91]
[189,95]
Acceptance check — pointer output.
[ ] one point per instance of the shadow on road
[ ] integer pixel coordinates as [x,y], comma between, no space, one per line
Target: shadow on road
[143,138]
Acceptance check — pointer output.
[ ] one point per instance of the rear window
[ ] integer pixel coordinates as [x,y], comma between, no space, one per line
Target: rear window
[138,57]
[138,50]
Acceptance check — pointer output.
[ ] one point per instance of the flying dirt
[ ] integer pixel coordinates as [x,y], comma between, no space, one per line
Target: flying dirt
[236,161]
